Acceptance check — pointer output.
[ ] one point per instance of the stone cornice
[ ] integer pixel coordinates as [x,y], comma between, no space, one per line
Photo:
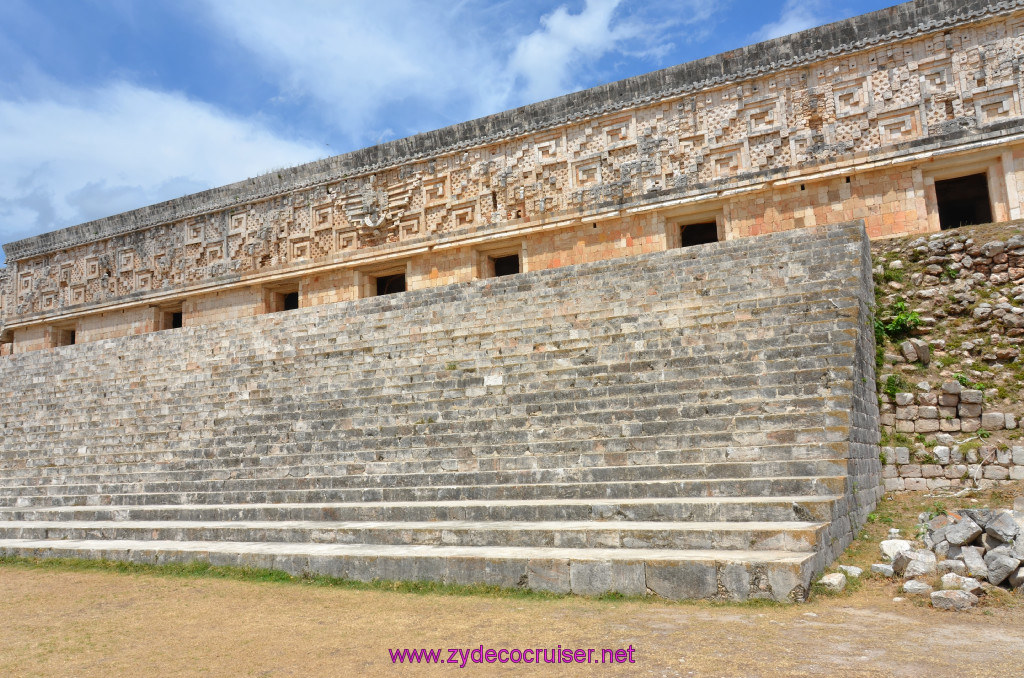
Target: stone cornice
[860,32]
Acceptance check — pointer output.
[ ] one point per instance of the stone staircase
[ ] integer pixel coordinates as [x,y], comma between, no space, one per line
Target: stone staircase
[697,423]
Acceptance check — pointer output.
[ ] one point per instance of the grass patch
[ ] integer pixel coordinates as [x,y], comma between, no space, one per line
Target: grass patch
[895,383]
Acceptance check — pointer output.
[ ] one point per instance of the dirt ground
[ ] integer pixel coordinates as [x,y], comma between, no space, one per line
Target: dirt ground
[79,623]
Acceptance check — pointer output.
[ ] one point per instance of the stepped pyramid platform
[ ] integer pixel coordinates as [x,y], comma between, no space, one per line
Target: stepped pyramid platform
[695,423]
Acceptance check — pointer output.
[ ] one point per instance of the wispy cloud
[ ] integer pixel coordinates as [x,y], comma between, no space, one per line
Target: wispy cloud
[78,155]
[547,60]
[797,15]
[364,61]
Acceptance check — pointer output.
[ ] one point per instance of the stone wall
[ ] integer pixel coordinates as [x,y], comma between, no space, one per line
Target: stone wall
[710,411]
[949,459]
[855,120]
[952,392]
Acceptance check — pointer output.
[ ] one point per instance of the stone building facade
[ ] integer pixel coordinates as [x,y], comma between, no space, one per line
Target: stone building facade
[908,118]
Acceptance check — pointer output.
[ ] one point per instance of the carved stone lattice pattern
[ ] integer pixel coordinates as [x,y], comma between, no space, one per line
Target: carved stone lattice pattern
[862,101]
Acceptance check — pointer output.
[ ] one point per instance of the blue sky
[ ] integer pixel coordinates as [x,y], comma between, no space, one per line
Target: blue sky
[109,105]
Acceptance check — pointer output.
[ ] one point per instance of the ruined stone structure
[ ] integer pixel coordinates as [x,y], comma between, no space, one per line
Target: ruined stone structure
[855,120]
[698,422]
[628,414]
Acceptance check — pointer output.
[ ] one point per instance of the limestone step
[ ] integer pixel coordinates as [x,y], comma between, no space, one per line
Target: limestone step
[638,450]
[707,509]
[670,573]
[755,536]
[284,476]
[524,480]
[552,373]
[758,487]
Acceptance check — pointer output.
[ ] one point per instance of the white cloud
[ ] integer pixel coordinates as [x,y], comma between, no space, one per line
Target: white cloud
[72,156]
[797,15]
[358,59]
[547,58]
[363,62]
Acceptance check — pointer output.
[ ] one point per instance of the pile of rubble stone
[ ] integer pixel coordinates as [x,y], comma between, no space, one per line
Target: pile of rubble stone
[974,551]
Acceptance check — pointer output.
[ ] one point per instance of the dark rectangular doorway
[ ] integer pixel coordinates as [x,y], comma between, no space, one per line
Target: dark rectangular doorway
[390,284]
[698,234]
[506,265]
[963,201]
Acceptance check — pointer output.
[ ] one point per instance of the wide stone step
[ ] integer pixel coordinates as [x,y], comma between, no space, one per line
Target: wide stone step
[670,573]
[758,536]
[759,487]
[638,450]
[284,476]
[527,481]
[345,388]
[676,509]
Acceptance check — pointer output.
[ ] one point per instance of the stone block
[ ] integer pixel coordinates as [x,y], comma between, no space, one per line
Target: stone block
[896,484]
[948,400]
[970,424]
[949,425]
[926,425]
[1000,566]
[549,575]
[993,421]
[971,396]
[974,559]
[908,412]
[835,582]
[953,600]
[915,484]
[961,533]
[678,581]
[907,425]
[966,410]
[928,412]
[996,473]
[910,471]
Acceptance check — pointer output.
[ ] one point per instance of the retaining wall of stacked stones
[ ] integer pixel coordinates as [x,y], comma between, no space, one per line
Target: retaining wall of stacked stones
[950,462]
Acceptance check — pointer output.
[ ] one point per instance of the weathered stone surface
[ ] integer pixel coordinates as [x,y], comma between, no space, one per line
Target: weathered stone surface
[892,547]
[952,387]
[953,600]
[954,566]
[883,569]
[834,582]
[909,351]
[916,588]
[955,581]
[1002,526]
[974,559]
[904,399]
[922,350]
[1000,566]
[851,571]
[993,421]
[918,563]
[972,396]
[677,582]
[962,533]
